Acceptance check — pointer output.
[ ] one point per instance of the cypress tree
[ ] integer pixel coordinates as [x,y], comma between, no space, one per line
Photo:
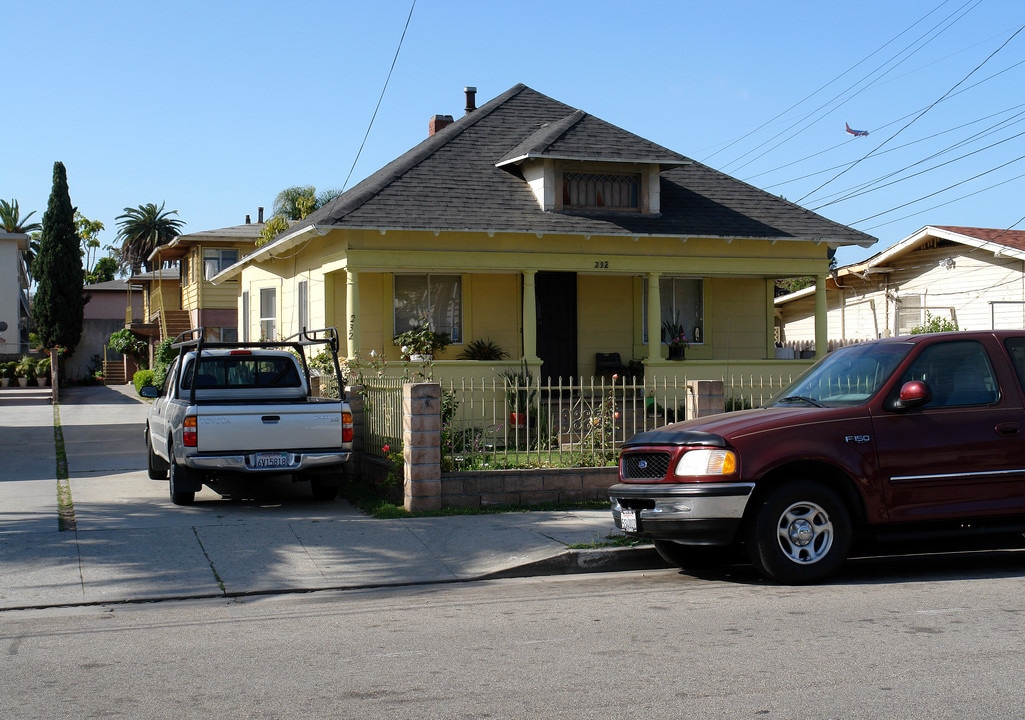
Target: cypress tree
[59,304]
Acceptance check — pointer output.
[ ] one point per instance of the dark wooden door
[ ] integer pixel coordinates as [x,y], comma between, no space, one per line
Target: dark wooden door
[556,294]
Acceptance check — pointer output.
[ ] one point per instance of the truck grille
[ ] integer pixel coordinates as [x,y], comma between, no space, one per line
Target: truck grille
[645,465]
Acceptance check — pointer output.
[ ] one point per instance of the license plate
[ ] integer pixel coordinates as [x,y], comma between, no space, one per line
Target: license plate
[270,460]
[628,520]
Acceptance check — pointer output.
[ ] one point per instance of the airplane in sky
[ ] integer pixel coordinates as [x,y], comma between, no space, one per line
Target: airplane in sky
[856,133]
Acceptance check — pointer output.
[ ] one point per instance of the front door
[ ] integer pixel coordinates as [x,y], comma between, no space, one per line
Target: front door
[556,294]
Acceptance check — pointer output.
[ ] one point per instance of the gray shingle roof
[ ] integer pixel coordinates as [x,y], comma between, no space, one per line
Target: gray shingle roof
[463,178]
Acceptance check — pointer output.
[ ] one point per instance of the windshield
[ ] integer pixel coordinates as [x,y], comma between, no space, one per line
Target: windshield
[848,376]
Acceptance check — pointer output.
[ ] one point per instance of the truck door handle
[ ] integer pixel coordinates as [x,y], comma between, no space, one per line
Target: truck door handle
[271,418]
[1009,428]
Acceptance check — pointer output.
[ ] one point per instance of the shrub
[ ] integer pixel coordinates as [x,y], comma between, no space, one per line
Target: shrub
[486,349]
[143,377]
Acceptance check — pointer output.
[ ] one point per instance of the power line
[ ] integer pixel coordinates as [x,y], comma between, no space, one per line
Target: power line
[916,118]
[381,98]
[853,88]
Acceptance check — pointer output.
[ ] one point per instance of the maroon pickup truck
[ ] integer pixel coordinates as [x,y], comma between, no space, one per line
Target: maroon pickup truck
[902,438]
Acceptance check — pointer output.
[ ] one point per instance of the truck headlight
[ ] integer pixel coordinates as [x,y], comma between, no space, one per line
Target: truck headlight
[707,462]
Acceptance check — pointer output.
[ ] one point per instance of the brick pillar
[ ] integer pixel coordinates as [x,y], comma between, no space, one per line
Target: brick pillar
[354,396]
[421,446]
[704,397]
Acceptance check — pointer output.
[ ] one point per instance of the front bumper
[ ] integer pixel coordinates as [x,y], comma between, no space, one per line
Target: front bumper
[695,513]
[296,462]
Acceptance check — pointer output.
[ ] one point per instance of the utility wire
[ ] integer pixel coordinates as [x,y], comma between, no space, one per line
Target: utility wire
[916,118]
[853,88]
[381,98]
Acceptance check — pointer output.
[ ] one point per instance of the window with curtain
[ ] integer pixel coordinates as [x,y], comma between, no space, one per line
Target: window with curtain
[436,299]
[217,259]
[682,301]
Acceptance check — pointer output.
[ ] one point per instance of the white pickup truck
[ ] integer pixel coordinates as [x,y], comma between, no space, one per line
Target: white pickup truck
[238,410]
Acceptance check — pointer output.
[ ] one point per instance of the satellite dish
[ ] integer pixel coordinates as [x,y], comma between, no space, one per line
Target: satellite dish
[3,325]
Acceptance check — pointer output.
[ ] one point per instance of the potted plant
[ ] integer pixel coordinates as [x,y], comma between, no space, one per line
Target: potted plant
[5,374]
[43,371]
[420,343]
[519,394]
[675,336]
[25,370]
[486,349]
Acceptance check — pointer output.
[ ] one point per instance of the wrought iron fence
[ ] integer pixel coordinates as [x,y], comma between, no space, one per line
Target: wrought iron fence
[495,423]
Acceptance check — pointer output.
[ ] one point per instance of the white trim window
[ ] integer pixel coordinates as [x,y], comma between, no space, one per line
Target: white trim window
[601,191]
[268,313]
[217,259]
[303,301]
[436,298]
[245,316]
[682,301]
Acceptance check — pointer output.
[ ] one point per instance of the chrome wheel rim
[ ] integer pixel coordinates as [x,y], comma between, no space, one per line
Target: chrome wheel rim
[805,532]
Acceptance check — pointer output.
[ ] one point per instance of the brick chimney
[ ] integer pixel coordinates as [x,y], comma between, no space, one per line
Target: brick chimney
[471,99]
[438,122]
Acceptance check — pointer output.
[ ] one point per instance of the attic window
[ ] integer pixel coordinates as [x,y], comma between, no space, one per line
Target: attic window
[594,191]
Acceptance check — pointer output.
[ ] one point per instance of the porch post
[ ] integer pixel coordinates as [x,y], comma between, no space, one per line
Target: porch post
[821,317]
[770,319]
[654,318]
[529,318]
[351,312]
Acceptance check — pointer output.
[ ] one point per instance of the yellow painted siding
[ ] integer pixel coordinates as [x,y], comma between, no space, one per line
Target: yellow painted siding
[605,318]
[492,309]
[735,319]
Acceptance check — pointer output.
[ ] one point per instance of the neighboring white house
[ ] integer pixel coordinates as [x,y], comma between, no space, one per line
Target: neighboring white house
[14,303]
[973,276]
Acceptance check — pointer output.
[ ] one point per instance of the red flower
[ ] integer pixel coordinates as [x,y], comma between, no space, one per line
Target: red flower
[386,448]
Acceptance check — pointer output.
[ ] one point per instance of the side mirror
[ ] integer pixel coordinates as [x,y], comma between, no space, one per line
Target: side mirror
[913,393]
[149,391]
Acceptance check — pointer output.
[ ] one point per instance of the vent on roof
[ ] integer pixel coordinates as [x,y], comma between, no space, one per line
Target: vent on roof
[471,99]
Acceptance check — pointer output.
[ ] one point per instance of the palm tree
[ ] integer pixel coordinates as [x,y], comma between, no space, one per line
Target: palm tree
[11,220]
[143,229]
[298,201]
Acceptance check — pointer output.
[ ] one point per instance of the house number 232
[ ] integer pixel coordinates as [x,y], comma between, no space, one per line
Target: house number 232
[601,264]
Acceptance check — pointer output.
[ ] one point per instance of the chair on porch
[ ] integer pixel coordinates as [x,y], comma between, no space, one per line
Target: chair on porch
[608,364]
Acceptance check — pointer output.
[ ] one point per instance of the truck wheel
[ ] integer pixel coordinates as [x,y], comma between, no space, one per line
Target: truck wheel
[156,467]
[181,477]
[323,490]
[691,557]
[801,533]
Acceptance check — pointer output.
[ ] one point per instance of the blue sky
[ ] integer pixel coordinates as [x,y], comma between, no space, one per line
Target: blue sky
[213,107]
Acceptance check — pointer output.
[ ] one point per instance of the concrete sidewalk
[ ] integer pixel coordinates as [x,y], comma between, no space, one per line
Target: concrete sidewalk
[130,543]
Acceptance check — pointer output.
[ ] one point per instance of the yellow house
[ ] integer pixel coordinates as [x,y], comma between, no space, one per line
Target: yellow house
[550,232]
[179,295]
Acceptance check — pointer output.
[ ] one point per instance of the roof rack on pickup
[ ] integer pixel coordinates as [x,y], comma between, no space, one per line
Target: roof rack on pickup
[193,339]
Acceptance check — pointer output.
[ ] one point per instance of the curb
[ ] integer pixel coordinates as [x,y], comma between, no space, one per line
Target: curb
[620,559]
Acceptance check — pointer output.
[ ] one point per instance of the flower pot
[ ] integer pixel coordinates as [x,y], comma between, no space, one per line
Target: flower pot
[41,381]
[4,382]
[677,353]
[517,420]
[23,382]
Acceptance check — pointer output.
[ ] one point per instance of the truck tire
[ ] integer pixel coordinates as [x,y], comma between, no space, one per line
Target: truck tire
[182,483]
[801,533]
[692,557]
[156,466]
